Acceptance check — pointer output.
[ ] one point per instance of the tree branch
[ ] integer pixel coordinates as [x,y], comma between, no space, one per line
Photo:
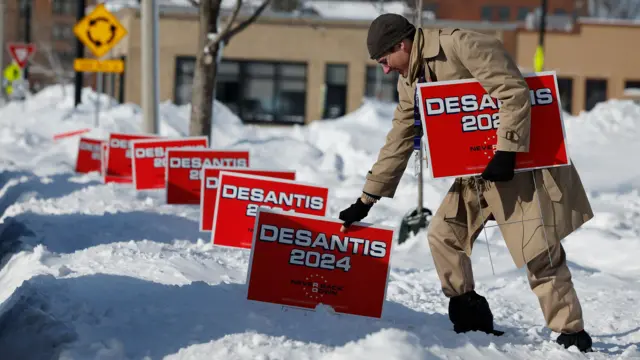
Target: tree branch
[238,28]
[227,26]
[194,3]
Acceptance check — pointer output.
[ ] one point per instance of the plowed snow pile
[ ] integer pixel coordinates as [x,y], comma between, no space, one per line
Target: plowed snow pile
[95,271]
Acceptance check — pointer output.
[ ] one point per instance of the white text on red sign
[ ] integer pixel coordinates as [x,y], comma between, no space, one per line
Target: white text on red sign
[94,148]
[196,163]
[121,144]
[329,242]
[158,153]
[271,197]
[470,103]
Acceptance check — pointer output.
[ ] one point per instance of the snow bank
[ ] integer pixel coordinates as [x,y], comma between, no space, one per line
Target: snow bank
[100,271]
[604,143]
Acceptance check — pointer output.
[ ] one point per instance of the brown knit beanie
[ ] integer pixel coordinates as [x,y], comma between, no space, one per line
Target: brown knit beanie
[385,32]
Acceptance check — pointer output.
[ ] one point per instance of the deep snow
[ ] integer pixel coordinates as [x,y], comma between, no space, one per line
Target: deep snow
[100,271]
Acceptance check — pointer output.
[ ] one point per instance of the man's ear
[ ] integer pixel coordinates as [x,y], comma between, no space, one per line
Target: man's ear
[406,45]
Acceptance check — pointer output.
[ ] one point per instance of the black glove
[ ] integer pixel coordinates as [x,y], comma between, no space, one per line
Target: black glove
[500,168]
[356,212]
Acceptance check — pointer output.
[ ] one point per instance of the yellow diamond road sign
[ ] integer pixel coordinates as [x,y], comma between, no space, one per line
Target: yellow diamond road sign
[99,31]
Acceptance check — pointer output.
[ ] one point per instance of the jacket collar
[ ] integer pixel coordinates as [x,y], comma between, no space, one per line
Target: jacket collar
[426,44]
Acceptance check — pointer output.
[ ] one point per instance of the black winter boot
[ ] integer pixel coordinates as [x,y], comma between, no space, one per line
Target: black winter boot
[581,340]
[470,312]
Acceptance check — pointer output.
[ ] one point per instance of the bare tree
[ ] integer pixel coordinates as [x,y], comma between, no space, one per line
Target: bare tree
[211,41]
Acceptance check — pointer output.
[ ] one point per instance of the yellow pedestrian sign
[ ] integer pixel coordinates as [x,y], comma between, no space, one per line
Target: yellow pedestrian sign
[12,72]
[99,31]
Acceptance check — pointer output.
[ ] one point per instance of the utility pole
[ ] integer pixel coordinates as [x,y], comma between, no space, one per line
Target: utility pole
[2,43]
[538,61]
[150,96]
[2,24]
[420,151]
[26,7]
[378,87]
[79,54]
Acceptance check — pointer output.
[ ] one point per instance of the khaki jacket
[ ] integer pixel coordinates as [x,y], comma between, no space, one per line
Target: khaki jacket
[453,54]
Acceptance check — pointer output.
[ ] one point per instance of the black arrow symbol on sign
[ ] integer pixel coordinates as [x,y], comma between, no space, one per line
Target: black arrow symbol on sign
[93,22]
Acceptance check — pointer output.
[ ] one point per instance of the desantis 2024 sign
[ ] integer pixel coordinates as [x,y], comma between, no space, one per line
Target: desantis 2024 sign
[460,122]
[303,260]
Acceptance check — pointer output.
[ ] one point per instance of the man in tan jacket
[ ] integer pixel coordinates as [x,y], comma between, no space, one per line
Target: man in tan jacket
[532,230]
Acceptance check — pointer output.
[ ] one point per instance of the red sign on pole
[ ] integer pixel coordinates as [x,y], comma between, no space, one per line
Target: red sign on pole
[461,121]
[149,159]
[119,161]
[89,155]
[21,52]
[183,171]
[240,195]
[304,260]
[209,188]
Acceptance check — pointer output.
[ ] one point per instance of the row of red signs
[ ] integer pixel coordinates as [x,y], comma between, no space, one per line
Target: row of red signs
[299,257]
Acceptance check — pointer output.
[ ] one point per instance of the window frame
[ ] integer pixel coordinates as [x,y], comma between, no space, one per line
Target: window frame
[243,76]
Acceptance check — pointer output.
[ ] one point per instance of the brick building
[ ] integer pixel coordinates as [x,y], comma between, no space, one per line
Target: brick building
[51,29]
[263,79]
[499,10]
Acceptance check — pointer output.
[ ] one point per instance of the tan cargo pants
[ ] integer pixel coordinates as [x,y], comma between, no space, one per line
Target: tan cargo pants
[549,280]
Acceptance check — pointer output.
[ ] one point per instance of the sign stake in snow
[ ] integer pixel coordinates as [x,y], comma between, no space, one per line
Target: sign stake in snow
[21,52]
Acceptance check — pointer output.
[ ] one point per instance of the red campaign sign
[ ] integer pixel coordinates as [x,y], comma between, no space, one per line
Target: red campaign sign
[303,260]
[89,155]
[110,178]
[119,162]
[209,188]
[184,170]
[149,160]
[240,195]
[461,120]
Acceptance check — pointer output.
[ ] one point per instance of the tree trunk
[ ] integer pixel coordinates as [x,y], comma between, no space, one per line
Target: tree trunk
[205,72]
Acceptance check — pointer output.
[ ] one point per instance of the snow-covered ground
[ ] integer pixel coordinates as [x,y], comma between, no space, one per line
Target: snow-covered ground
[100,271]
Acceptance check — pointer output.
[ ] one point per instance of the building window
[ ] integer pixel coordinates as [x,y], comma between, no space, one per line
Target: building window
[228,85]
[257,92]
[335,103]
[522,13]
[632,88]
[380,85]
[486,13]
[596,91]
[62,32]
[66,57]
[632,84]
[431,6]
[63,7]
[504,12]
[565,89]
